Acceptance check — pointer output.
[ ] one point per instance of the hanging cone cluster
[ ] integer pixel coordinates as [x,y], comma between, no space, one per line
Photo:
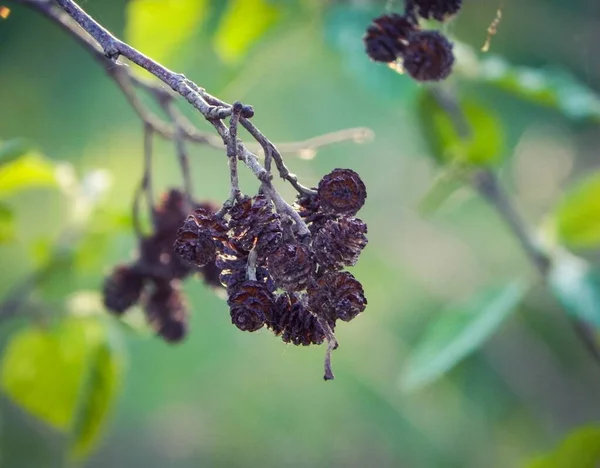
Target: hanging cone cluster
[424,55]
[154,279]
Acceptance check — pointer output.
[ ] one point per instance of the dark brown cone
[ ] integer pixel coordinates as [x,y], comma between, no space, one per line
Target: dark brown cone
[429,56]
[294,322]
[250,302]
[439,10]
[342,191]
[291,266]
[233,267]
[169,213]
[209,224]
[255,225]
[122,289]
[210,274]
[167,312]
[340,242]
[309,208]
[338,295]
[193,244]
[386,37]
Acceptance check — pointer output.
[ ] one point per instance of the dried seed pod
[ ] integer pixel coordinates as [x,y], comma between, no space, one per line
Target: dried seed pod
[169,213]
[194,245]
[122,289]
[340,242]
[233,266]
[255,225]
[387,36]
[308,207]
[337,294]
[209,224]
[197,239]
[429,56]
[291,266]
[250,302]
[342,191]
[439,10]
[292,319]
[210,273]
[166,311]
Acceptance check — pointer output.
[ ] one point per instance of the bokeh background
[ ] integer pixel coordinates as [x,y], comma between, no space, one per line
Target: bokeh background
[224,398]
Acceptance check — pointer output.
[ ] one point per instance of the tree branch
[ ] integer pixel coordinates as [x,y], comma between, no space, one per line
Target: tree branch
[488,186]
[128,82]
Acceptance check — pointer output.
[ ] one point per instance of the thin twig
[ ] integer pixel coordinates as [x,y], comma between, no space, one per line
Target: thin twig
[489,187]
[232,151]
[251,265]
[147,176]
[182,153]
[127,82]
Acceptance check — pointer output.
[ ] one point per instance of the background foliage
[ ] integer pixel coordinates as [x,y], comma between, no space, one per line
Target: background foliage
[462,359]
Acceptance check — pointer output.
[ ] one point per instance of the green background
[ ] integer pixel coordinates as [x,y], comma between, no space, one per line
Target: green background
[224,398]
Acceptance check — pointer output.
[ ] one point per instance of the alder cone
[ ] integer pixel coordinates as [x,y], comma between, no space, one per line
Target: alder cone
[169,213]
[210,273]
[255,225]
[308,207]
[209,224]
[429,56]
[340,242]
[193,244]
[342,192]
[167,311]
[122,289]
[292,319]
[250,302]
[439,10]
[338,295]
[386,37]
[291,266]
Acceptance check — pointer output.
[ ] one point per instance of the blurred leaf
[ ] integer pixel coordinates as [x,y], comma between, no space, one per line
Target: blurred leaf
[243,23]
[159,28]
[482,146]
[578,215]
[7,224]
[65,376]
[577,286]
[447,183]
[29,170]
[552,88]
[581,449]
[459,331]
[12,149]
[97,398]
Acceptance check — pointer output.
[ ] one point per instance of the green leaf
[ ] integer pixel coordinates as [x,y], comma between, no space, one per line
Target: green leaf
[66,376]
[159,28]
[550,87]
[459,331]
[242,24]
[577,286]
[7,224]
[482,143]
[102,385]
[581,449]
[446,184]
[577,218]
[27,171]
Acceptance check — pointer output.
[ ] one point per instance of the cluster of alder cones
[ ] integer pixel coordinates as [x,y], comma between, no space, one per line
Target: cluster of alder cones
[276,275]
[425,55]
